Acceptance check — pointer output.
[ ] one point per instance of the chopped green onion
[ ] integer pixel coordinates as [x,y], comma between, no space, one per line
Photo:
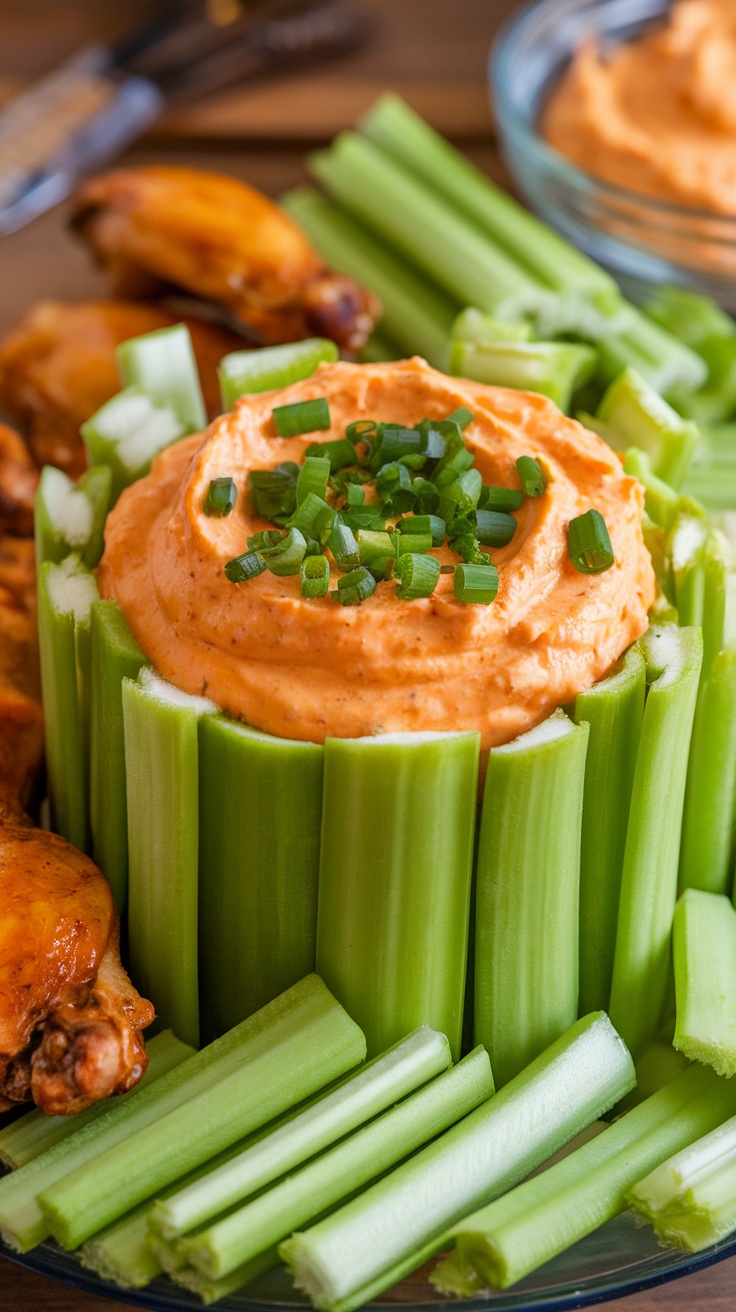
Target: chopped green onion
[466,546]
[355,494]
[459,499]
[242,568]
[315,576]
[285,557]
[313,516]
[302,417]
[340,453]
[314,476]
[383,567]
[589,544]
[361,430]
[500,498]
[273,491]
[494,528]
[412,525]
[704,958]
[394,486]
[395,443]
[462,416]
[367,517]
[531,475]
[344,547]
[271,367]
[426,495]
[412,543]
[417,576]
[355,587]
[268,537]
[373,546]
[476,583]
[221,497]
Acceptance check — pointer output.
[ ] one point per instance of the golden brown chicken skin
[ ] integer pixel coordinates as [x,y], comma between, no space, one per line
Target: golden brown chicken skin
[70,1020]
[222,240]
[21,718]
[57,367]
[18,484]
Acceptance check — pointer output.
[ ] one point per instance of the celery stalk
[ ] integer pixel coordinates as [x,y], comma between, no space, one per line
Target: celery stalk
[704,957]
[710,797]
[713,484]
[427,229]
[667,364]
[71,518]
[556,369]
[526,900]
[289,1049]
[634,414]
[649,881]
[689,316]
[260,806]
[715,402]
[392,125]
[394,883]
[115,655]
[269,367]
[65,594]
[687,540]
[691,1198]
[34,1133]
[661,502]
[163,365]
[386,1080]
[658,1064]
[162,782]
[719,597]
[473,325]
[210,1291]
[417,315]
[127,432]
[348,1166]
[542,1217]
[405,1216]
[613,710]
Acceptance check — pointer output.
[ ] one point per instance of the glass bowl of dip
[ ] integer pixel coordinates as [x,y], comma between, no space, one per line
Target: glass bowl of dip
[642,240]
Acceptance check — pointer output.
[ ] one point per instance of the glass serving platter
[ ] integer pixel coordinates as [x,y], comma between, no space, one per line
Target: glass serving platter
[620,1258]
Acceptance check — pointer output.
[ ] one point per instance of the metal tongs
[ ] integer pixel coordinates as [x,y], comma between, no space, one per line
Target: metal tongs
[84,113]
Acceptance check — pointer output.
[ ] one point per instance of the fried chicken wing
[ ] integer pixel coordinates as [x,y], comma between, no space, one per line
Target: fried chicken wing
[70,1020]
[57,367]
[18,483]
[21,718]
[159,227]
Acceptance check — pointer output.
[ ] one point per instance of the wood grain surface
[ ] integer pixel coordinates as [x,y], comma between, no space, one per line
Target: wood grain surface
[434,53]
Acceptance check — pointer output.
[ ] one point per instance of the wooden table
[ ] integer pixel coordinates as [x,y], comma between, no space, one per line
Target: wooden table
[433,52]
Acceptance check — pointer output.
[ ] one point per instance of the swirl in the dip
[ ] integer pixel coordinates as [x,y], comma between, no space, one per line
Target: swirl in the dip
[313,669]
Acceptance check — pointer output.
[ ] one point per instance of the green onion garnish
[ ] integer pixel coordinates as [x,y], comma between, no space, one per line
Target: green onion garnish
[313,517]
[361,430]
[394,444]
[339,453]
[273,491]
[589,544]
[476,583]
[343,546]
[302,417]
[419,543]
[221,497]
[286,556]
[466,546]
[373,546]
[531,475]
[462,416]
[382,567]
[355,587]
[242,568]
[394,486]
[431,524]
[369,517]
[313,477]
[500,498]
[417,576]
[269,537]
[494,528]
[355,494]
[459,499]
[314,573]
[426,495]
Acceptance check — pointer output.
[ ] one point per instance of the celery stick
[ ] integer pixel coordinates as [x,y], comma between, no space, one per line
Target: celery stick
[473,325]
[704,957]
[660,500]
[542,1217]
[392,125]
[394,883]
[127,432]
[298,1044]
[238,1237]
[260,807]
[428,230]
[243,372]
[716,400]
[556,369]
[689,316]
[162,781]
[163,365]
[687,540]
[526,900]
[613,710]
[383,1082]
[123,1254]
[649,880]
[65,595]
[71,518]
[635,414]
[719,597]
[115,655]
[211,1290]
[713,484]
[710,797]
[666,363]
[417,315]
[34,1133]
[581,1075]
[658,1064]
[691,1198]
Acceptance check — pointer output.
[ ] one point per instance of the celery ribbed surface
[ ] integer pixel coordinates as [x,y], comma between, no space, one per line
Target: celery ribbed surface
[70,517]
[691,1198]
[704,958]
[706,856]
[243,372]
[162,363]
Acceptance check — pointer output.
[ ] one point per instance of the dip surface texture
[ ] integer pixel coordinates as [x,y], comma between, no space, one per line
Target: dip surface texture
[311,668]
[657,115]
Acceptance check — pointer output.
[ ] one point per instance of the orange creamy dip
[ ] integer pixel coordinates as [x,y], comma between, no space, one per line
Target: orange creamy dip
[657,115]
[312,668]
